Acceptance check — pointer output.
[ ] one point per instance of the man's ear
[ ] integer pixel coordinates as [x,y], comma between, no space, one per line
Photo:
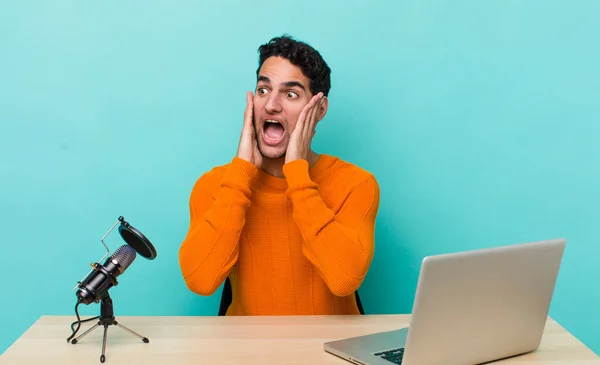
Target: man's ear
[323,108]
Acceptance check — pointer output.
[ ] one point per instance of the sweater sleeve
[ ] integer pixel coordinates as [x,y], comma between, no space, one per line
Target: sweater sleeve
[339,245]
[217,217]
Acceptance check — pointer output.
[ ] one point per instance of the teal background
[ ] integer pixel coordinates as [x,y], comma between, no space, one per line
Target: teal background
[479,119]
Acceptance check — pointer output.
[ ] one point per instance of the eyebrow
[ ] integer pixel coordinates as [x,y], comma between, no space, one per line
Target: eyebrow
[265,79]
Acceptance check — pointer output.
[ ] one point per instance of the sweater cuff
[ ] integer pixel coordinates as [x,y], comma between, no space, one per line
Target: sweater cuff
[241,171]
[296,173]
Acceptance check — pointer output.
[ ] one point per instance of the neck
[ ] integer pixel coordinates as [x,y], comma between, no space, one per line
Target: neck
[274,167]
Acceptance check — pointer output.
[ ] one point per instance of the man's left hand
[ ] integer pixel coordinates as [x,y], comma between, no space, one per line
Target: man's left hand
[301,138]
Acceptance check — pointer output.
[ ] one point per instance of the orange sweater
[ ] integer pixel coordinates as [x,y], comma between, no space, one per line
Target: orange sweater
[295,245]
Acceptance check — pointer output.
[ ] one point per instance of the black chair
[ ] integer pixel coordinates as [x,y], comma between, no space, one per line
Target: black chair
[226,299]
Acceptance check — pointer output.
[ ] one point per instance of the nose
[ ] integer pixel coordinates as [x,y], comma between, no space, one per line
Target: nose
[273,104]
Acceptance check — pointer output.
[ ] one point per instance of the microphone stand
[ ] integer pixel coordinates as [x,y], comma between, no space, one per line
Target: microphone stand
[107,318]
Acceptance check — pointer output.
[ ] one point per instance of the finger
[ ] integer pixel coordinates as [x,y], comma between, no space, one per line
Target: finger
[248,113]
[312,116]
[248,128]
[300,124]
[308,120]
[317,117]
[309,108]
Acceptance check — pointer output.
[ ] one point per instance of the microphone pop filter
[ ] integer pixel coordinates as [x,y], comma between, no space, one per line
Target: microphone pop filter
[137,240]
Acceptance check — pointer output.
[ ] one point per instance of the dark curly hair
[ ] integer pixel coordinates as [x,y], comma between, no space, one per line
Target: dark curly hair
[302,55]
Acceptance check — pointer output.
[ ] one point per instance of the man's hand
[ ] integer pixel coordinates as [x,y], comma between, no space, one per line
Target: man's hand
[301,138]
[248,147]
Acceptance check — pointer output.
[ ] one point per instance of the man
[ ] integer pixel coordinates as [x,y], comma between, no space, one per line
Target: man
[292,229]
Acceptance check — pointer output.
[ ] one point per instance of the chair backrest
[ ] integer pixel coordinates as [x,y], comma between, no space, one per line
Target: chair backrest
[226,299]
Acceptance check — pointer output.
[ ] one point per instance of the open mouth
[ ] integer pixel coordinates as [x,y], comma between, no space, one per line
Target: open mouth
[273,132]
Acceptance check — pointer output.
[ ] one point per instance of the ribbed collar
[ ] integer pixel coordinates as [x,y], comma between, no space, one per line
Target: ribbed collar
[323,163]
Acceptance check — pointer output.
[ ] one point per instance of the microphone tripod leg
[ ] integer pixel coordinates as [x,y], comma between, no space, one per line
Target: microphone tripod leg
[75,340]
[102,357]
[145,339]
[107,318]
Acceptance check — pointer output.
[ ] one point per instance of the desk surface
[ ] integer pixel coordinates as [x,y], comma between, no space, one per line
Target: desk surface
[232,340]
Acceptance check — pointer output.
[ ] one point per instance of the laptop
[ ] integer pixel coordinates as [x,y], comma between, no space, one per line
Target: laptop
[470,307]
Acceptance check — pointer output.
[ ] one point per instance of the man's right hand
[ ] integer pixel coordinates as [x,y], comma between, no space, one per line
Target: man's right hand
[248,147]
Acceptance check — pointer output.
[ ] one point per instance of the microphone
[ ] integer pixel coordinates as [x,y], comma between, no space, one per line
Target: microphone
[94,287]
[103,277]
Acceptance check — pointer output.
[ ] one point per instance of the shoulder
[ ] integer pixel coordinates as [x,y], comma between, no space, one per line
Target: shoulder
[347,174]
[210,179]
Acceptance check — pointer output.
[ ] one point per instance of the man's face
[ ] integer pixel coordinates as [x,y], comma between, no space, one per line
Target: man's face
[282,91]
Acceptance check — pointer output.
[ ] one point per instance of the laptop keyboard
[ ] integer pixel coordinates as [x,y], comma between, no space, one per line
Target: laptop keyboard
[394,355]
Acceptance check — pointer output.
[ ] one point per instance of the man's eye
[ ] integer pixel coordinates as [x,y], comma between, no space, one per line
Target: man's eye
[262,90]
[292,95]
